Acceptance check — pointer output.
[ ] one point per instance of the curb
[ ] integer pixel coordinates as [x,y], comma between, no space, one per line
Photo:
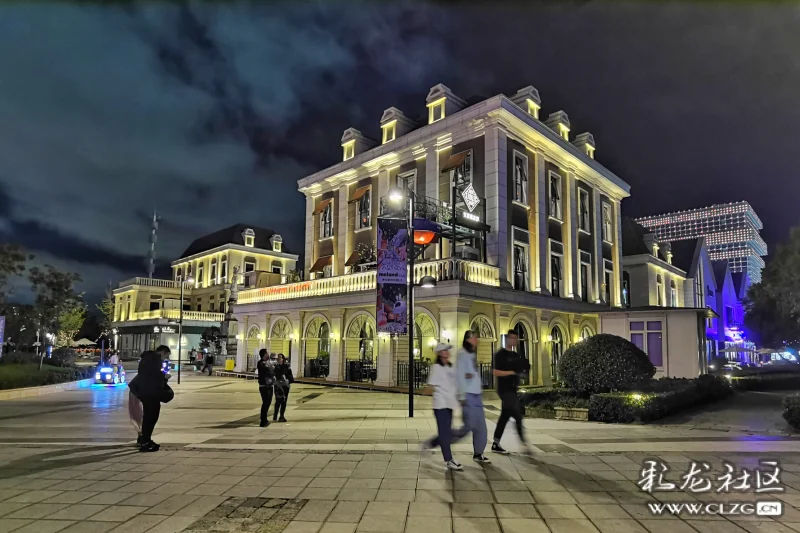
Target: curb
[32,392]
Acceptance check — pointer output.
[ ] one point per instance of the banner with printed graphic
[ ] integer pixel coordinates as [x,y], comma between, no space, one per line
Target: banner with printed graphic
[2,333]
[392,276]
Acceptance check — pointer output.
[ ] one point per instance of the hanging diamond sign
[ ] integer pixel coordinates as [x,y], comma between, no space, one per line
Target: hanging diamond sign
[470,197]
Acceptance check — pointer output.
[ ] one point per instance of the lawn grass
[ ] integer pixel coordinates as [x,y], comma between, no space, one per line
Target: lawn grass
[28,375]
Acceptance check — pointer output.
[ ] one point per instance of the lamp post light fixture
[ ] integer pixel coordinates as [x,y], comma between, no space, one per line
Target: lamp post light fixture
[397,195]
[189,280]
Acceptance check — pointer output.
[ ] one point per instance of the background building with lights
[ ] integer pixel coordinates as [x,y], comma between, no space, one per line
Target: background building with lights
[731,231]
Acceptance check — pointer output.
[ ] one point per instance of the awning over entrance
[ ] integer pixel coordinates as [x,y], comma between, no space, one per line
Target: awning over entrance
[455,161]
[322,205]
[352,260]
[321,263]
[361,191]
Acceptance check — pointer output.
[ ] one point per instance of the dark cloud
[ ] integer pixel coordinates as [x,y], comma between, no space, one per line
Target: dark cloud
[210,113]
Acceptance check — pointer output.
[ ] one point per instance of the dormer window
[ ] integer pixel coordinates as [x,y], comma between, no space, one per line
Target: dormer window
[436,110]
[277,243]
[389,131]
[655,250]
[563,130]
[349,149]
[590,151]
[533,108]
[249,237]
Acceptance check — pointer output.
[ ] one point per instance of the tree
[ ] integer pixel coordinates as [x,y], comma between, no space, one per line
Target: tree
[55,294]
[106,308]
[70,322]
[12,264]
[772,307]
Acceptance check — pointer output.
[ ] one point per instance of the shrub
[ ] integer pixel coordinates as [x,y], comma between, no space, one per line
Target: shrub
[62,357]
[28,375]
[764,382]
[791,410]
[673,396]
[19,358]
[604,363]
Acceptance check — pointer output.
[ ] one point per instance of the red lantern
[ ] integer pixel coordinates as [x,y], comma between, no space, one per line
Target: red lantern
[423,236]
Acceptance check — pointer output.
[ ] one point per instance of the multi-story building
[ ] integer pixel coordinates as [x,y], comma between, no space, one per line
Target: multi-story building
[731,232]
[146,310]
[528,239]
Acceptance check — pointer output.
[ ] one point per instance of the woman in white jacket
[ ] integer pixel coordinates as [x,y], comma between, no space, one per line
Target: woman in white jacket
[442,379]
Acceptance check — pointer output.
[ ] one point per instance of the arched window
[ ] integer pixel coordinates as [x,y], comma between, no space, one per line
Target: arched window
[659,290]
[556,350]
[586,332]
[673,294]
[324,339]
[524,349]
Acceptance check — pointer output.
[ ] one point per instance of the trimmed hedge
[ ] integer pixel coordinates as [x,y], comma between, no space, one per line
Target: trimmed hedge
[670,397]
[764,382]
[16,376]
[549,399]
[791,410]
[604,363]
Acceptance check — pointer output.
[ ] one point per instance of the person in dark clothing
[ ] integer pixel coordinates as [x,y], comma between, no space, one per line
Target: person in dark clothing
[283,381]
[209,364]
[149,386]
[508,365]
[266,382]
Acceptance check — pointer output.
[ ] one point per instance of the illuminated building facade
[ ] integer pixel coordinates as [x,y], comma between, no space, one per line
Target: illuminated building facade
[529,241]
[731,233]
[147,310]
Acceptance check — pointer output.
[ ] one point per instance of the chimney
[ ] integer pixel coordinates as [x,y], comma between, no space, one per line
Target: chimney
[442,103]
[559,123]
[395,124]
[528,99]
[354,143]
[585,143]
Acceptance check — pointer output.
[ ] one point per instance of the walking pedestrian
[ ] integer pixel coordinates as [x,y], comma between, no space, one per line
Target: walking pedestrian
[150,387]
[442,379]
[508,365]
[266,382]
[470,393]
[283,381]
[209,364]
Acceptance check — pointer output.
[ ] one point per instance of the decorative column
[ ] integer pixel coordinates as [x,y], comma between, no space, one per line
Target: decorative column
[570,233]
[453,322]
[597,239]
[342,230]
[337,350]
[539,240]
[432,180]
[386,363]
[296,345]
[616,254]
[496,179]
[309,255]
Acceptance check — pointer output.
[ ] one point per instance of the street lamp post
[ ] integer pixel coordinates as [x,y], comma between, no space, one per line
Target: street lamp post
[426,281]
[180,326]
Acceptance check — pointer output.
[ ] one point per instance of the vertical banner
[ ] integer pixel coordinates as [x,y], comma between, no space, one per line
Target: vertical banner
[392,276]
[2,333]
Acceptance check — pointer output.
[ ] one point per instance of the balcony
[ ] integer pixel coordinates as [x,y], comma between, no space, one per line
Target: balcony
[441,269]
[174,314]
[152,282]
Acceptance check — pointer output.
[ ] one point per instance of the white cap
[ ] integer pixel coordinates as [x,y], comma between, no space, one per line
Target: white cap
[442,347]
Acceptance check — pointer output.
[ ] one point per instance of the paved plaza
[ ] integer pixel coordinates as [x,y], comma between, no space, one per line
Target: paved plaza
[348,461]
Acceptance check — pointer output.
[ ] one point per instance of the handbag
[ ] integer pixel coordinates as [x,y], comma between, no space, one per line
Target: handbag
[168,394]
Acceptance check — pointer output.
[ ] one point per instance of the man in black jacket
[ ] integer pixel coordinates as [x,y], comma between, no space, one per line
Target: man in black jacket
[508,365]
[149,386]
[266,382]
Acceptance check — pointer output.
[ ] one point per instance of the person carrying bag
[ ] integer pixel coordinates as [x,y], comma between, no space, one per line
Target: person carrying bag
[151,389]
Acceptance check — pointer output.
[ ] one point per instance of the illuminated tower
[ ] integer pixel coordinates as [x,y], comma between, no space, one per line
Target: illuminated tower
[731,232]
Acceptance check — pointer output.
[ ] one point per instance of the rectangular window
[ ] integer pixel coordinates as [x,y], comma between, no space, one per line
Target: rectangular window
[649,340]
[349,149]
[607,283]
[520,178]
[436,110]
[213,274]
[659,291]
[389,131]
[607,226]
[200,272]
[554,210]
[364,211]
[520,267]
[223,270]
[585,277]
[276,269]
[584,215]
[326,222]
[555,275]
[407,180]
[249,266]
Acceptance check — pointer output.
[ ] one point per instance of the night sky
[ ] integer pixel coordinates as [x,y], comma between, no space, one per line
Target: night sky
[210,114]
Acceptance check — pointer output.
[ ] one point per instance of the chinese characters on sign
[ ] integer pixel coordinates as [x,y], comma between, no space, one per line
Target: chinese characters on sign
[700,478]
[392,276]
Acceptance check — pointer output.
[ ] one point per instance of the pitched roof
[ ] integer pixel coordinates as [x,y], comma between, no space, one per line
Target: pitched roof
[633,242]
[232,235]
[720,268]
[685,253]
[740,283]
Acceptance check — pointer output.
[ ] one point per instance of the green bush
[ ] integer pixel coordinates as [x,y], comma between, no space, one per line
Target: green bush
[19,358]
[604,363]
[28,375]
[549,399]
[62,357]
[665,397]
[765,382]
[791,410]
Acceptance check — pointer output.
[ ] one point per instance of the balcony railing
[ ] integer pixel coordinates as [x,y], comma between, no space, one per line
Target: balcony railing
[153,282]
[441,269]
[174,314]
